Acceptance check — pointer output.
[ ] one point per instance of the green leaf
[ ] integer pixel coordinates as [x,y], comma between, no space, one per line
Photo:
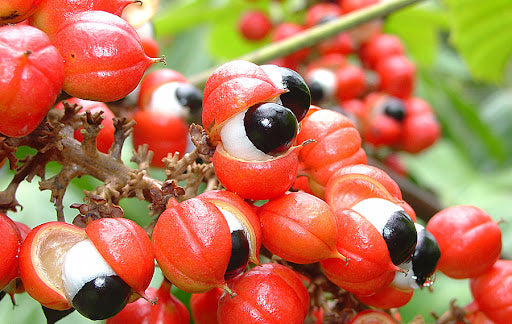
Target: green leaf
[418,27]
[481,33]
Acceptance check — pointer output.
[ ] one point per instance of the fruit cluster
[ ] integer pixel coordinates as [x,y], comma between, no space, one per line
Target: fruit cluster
[363,73]
[298,200]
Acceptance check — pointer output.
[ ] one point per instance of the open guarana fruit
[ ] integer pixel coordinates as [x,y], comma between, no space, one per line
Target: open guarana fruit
[61,267]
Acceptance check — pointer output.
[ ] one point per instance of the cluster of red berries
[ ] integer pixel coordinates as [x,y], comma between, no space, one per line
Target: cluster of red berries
[362,72]
[82,48]
[322,204]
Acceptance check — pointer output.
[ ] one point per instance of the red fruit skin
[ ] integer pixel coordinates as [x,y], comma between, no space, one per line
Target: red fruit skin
[153,80]
[256,180]
[331,61]
[372,316]
[203,307]
[15,11]
[351,82]
[192,244]
[254,25]
[299,228]
[51,14]
[32,75]
[420,127]
[492,292]
[105,137]
[11,243]
[168,309]
[162,133]
[378,48]
[103,56]
[232,88]
[127,249]
[351,184]
[337,143]
[469,240]
[397,76]
[235,204]
[270,293]
[387,297]
[369,266]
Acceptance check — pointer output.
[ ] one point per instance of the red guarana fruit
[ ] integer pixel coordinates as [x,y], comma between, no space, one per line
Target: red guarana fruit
[254,25]
[469,240]
[103,56]
[492,292]
[51,14]
[203,307]
[31,78]
[270,294]
[11,242]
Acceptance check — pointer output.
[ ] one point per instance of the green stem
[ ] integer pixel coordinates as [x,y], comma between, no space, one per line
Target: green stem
[314,35]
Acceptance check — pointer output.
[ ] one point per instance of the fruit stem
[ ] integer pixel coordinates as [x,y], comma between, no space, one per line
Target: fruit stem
[313,35]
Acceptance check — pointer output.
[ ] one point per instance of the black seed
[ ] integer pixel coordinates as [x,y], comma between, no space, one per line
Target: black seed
[189,96]
[400,236]
[298,97]
[239,254]
[102,297]
[270,127]
[425,257]
[317,92]
[394,108]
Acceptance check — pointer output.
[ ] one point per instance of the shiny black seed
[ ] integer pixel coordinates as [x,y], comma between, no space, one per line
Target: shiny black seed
[298,97]
[239,254]
[394,107]
[270,127]
[102,297]
[425,257]
[317,92]
[400,236]
[189,96]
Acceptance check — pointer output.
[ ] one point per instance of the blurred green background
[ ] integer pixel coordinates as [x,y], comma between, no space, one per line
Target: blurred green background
[462,50]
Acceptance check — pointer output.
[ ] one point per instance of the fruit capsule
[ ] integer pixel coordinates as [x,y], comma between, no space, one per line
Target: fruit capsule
[103,56]
[203,241]
[469,240]
[420,127]
[11,238]
[337,143]
[270,293]
[299,228]
[396,76]
[491,291]
[92,270]
[369,264]
[388,297]
[32,80]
